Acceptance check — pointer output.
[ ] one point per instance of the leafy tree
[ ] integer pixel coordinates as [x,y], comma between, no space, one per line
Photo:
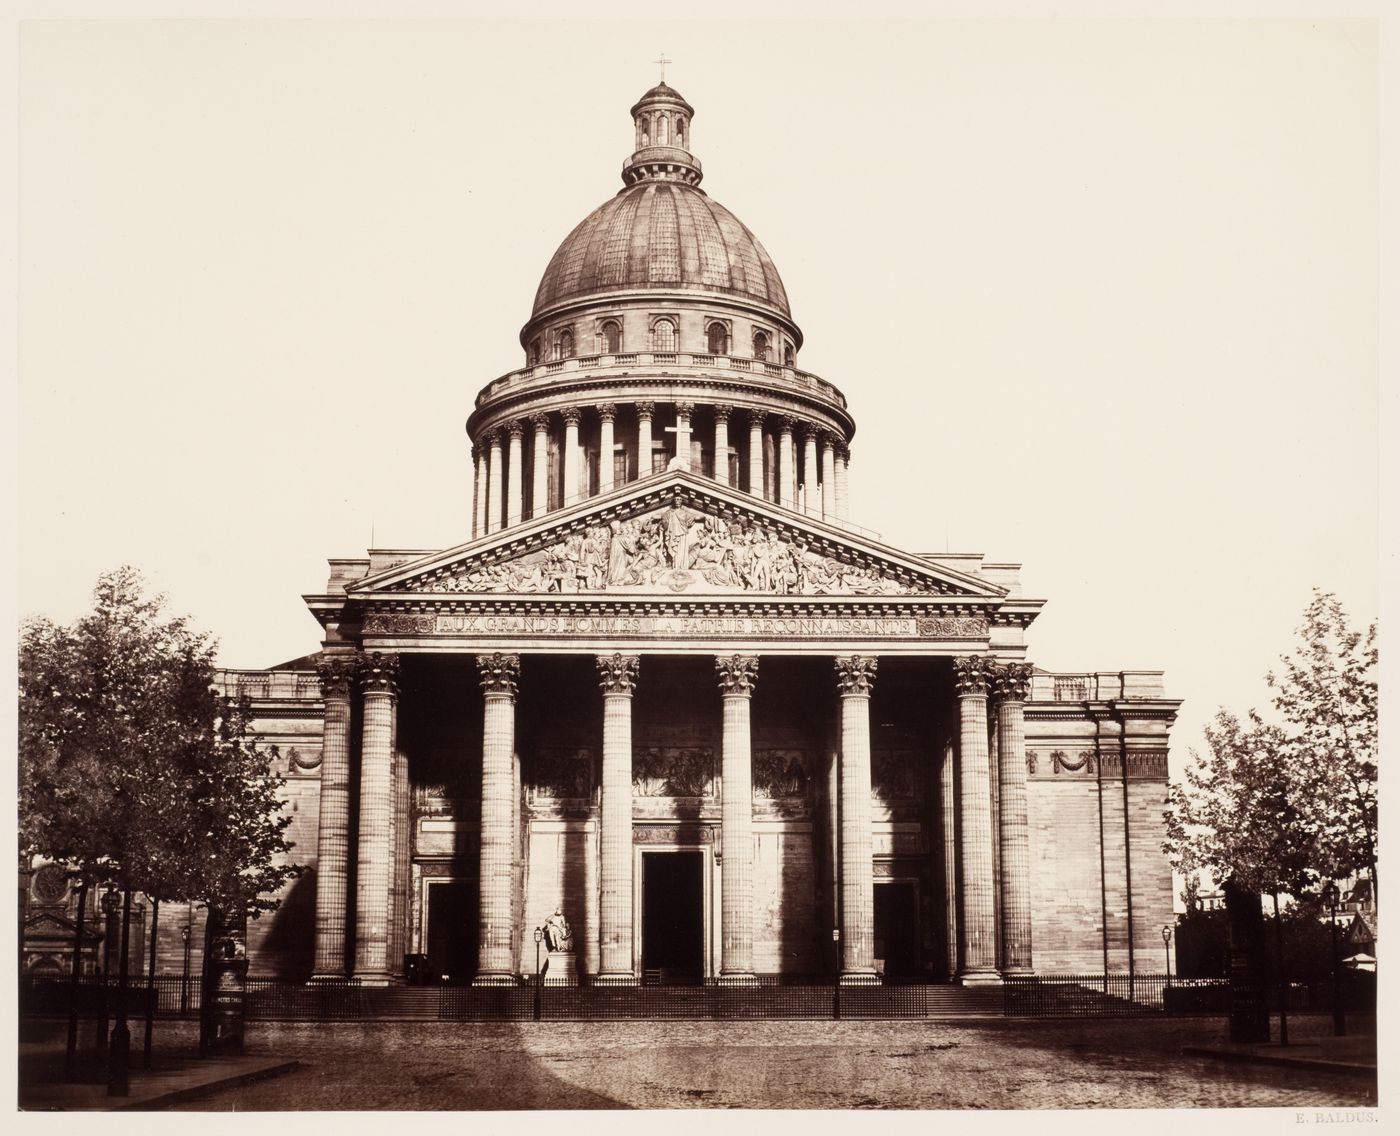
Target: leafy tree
[1325,695]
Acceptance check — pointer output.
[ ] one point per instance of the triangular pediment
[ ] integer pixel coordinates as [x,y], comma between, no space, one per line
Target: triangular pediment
[676,534]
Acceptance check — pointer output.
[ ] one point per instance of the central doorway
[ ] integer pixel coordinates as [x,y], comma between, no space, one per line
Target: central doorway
[673,918]
[451,938]
[897,928]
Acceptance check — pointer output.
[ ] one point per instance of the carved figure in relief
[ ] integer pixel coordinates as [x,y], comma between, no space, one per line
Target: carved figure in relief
[557,933]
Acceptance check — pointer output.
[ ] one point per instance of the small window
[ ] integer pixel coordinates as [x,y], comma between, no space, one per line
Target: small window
[717,336]
[680,131]
[564,345]
[643,133]
[534,353]
[661,124]
[611,335]
[789,355]
[663,335]
[762,346]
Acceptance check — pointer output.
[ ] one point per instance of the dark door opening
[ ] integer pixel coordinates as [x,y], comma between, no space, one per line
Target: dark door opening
[452,930]
[897,928]
[673,917]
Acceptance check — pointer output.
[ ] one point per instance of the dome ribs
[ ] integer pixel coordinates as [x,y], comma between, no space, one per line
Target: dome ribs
[664,262]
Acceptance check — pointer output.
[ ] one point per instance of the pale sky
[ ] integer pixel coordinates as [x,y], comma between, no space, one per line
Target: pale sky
[1102,296]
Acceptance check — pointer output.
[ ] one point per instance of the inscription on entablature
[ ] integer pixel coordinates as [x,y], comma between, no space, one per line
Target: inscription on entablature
[736,626]
[672,834]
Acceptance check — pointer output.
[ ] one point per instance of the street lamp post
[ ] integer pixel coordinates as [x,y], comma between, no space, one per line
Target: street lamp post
[1339,1018]
[539,938]
[110,906]
[1167,949]
[185,975]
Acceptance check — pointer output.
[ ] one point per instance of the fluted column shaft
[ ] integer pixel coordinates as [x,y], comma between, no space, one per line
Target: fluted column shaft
[722,444]
[756,453]
[855,676]
[571,491]
[683,412]
[539,489]
[403,850]
[843,503]
[499,676]
[478,492]
[828,479]
[617,675]
[645,410]
[333,826]
[812,494]
[1013,826]
[515,476]
[736,674]
[378,674]
[978,924]
[606,413]
[495,472]
[948,836]
[787,471]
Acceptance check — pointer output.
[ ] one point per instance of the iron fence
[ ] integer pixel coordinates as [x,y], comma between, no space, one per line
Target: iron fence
[1111,996]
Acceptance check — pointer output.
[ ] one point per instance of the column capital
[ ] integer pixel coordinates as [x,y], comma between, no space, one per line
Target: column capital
[829,439]
[685,408]
[973,674]
[336,672]
[571,415]
[757,418]
[378,672]
[539,420]
[491,439]
[736,674]
[476,453]
[722,412]
[843,451]
[645,409]
[516,429]
[810,431]
[1011,681]
[855,674]
[607,411]
[499,673]
[617,674]
[784,422]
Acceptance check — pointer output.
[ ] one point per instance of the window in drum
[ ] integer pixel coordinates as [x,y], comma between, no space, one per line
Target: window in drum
[564,345]
[717,338]
[762,345]
[663,335]
[610,336]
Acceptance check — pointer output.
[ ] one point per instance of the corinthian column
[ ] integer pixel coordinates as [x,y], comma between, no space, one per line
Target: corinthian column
[812,496]
[1012,687]
[843,503]
[539,482]
[978,922]
[756,452]
[499,675]
[478,492]
[787,470]
[515,478]
[606,414]
[333,826]
[683,412]
[495,472]
[617,675]
[828,502]
[855,677]
[736,675]
[722,444]
[571,492]
[378,675]
[645,410]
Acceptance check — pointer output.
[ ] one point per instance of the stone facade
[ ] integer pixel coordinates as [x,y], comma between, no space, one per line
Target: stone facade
[670,689]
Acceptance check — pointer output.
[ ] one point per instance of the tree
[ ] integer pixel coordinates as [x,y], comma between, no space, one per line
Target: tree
[1325,695]
[133,769]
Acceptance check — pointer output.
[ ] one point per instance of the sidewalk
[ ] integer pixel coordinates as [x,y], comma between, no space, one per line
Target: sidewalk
[1349,1056]
[175,1077]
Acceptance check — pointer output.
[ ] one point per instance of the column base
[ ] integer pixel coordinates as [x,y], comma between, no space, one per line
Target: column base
[494,979]
[334,977]
[743,979]
[627,979]
[979,978]
[373,979]
[1018,972]
[859,978]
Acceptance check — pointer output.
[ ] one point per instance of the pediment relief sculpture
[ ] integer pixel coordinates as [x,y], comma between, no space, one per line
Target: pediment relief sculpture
[674,549]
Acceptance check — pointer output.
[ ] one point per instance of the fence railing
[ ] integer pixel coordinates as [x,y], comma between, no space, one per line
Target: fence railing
[1042,996]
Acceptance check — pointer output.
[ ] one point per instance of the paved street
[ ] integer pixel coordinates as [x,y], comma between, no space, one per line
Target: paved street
[995,1064]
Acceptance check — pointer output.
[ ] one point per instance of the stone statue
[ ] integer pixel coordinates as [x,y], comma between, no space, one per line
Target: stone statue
[557,935]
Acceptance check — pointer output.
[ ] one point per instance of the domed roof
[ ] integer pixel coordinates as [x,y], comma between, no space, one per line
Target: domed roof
[664,235]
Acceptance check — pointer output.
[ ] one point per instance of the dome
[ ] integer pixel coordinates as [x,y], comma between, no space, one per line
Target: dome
[663,235]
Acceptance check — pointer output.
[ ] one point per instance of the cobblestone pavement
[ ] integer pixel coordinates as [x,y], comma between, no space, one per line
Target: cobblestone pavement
[583,1065]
